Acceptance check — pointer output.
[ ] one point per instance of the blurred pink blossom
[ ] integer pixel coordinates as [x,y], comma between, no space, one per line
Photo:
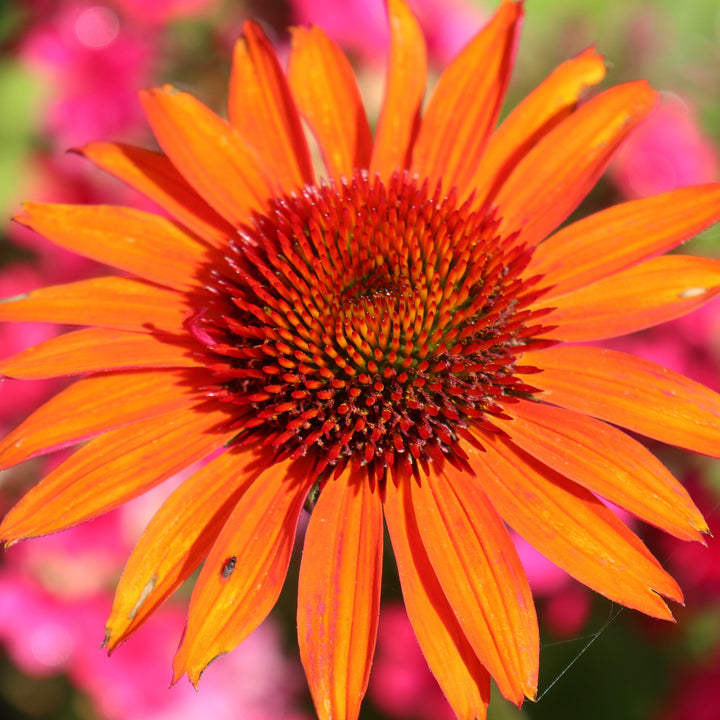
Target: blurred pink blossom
[545,577]
[361,25]
[94,64]
[401,684]
[566,611]
[159,12]
[668,151]
[54,599]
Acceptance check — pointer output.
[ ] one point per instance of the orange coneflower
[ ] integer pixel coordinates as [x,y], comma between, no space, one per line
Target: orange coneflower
[391,340]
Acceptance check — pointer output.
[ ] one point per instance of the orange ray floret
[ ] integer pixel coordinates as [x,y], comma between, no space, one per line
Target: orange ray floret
[273,127]
[465,105]
[549,104]
[385,345]
[178,539]
[328,97]
[153,175]
[400,115]
[340,579]
[89,350]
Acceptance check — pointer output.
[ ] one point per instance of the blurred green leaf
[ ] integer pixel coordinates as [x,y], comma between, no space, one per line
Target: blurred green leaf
[20,94]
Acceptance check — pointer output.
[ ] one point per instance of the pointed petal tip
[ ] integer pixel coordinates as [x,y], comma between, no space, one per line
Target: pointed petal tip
[164,89]
[702,529]
[193,673]
[23,217]
[176,677]
[109,643]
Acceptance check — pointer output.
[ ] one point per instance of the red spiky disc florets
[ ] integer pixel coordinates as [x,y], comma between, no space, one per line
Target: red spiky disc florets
[369,323]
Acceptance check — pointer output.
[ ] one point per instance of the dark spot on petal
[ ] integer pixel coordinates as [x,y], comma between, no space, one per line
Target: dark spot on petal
[228,567]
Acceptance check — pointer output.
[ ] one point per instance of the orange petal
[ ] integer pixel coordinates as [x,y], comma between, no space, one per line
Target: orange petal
[97,349]
[245,570]
[404,90]
[324,86]
[653,292]
[466,102]
[114,468]
[262,109]
[93,405]
[621,236]
[481,576]
[177,540]
[463,679]
[607,462]
[572,528]
[556,174]
[153,175]
[111,302]
[544,108]
[211,155]
[631,392]
[144,244]
[339,595]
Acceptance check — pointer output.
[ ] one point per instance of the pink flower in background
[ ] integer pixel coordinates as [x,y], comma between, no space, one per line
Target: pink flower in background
[41,634]
[159,12]
[55,595]
[566,611]
[667,151]
[94,64]
[401,684]
[361,25]
[258,683]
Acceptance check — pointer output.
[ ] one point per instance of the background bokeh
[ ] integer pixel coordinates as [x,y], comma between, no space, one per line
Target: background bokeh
[69,72]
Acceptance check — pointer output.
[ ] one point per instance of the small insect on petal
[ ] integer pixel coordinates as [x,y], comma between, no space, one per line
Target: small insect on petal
[228,568]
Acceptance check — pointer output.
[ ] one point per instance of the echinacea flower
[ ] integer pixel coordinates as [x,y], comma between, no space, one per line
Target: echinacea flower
[395,340]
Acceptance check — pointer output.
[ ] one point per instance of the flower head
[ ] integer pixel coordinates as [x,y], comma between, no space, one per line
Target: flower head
[394,339]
